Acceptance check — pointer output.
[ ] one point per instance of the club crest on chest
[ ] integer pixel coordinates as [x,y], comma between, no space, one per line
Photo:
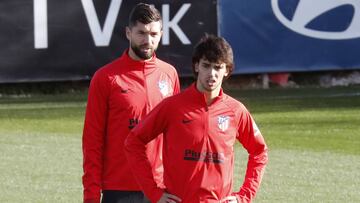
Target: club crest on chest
[164,88]
[223,123]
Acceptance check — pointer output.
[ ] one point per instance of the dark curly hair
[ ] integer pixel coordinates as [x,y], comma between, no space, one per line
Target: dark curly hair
[214,49]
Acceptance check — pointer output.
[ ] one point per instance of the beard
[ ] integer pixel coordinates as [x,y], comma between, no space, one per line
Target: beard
[141,54]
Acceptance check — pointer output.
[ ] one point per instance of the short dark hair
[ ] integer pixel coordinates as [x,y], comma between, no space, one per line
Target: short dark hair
[214,49]
[144,13]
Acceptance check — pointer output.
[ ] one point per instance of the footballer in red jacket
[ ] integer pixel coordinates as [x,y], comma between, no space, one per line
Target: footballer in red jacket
[121,93]
[200,127]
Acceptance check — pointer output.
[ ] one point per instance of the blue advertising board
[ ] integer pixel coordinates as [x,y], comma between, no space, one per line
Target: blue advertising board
[291,35]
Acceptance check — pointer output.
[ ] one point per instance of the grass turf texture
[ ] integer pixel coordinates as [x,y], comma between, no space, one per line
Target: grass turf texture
[313,135]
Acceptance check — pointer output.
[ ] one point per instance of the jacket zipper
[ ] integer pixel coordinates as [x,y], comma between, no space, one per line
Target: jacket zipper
[206,123]
[146,92]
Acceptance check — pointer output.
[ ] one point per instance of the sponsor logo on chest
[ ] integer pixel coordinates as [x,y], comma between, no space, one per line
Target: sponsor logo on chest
[204,156]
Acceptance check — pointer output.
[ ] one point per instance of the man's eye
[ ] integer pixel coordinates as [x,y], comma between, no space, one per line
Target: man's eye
[206,65]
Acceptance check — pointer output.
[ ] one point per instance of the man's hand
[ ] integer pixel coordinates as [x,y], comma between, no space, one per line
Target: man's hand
[169,198]
[229,199]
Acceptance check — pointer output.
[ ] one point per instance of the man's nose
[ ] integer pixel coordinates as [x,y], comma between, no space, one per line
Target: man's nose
[147,39]
[213,72]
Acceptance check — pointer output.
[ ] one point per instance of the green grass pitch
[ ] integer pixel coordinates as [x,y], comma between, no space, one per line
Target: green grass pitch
[313,136]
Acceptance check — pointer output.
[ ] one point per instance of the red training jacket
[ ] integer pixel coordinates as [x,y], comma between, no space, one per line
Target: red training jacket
[121,93]
[198,148]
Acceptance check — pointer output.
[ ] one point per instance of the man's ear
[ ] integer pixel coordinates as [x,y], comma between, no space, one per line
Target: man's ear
[227,72]
[196,67]
[128,32]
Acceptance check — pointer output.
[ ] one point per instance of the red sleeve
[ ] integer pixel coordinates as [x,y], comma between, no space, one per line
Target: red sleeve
[252,140]
[147,130]
[93,137]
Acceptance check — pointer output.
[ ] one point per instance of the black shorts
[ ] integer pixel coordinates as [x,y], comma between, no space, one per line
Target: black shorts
[117,196]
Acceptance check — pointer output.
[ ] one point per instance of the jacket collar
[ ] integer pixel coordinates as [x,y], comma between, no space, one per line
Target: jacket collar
[136,65]
[200,97]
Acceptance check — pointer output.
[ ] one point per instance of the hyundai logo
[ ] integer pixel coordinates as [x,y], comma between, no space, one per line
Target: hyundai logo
[308,11]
